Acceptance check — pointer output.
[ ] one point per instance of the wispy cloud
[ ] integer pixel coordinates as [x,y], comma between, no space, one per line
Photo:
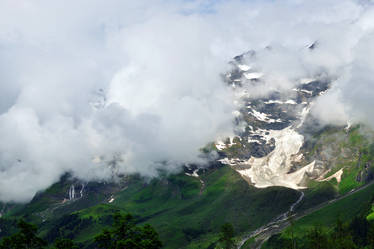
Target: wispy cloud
[85,82]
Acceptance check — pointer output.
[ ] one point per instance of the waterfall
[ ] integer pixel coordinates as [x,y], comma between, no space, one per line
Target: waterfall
[81,191]
[78,195]
[72,192]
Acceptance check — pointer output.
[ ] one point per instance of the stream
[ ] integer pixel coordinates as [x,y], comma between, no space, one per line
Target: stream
[273,227]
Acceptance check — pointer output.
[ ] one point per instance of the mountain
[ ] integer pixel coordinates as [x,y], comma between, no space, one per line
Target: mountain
[267,152]
[281,162]
[185,210]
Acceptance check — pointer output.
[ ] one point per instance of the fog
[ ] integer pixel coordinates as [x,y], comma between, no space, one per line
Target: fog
[139,82]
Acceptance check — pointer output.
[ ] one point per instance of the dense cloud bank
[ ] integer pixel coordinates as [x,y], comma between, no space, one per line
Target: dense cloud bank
[86,83]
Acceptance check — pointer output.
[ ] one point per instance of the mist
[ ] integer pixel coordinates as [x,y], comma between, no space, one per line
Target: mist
[139,82]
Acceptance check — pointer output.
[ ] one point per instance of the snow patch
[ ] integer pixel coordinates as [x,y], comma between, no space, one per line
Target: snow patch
[349,125]
[253,75]
[290,102]
[263,116]
[302,90]
[337,175]
[273,102]
[304,113]
[194,173]
[250,140]
[244,67]
[305,91]
[231,162]
[111,199]
[220,145]
[273,169]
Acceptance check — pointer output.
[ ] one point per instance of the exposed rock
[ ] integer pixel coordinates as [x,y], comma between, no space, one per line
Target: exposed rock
[268,151]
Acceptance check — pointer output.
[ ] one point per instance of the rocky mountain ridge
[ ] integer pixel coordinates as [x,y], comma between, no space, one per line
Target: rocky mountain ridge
[267,148]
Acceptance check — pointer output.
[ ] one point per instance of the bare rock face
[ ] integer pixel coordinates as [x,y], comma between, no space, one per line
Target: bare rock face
[267,150]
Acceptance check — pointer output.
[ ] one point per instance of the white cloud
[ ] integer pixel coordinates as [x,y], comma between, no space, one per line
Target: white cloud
[151,73]
[158,63]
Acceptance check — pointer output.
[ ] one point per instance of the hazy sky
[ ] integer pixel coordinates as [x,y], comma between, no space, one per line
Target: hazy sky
[84,82]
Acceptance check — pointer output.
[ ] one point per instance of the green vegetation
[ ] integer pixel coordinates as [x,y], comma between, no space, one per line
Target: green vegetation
[25,238]
[64,244]
[317,193]
[344,235]
[351,212]
[370,216]
[188,212]
[125,234]
[226,238]
[352,151]
[185,212]
[248,244]
[346,208]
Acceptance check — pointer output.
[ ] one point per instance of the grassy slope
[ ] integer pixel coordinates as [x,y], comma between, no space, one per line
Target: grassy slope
[184,216]
[350,151]
[187,216]
[370,216]
[345,209]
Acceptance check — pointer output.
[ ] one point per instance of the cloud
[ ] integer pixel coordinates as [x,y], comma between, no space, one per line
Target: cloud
[87,82]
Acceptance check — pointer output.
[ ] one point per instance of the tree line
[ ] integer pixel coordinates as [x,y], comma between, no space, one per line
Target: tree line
[124,233]
[356,234]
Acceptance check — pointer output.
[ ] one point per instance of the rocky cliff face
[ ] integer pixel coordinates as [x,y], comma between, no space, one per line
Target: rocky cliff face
[267,148]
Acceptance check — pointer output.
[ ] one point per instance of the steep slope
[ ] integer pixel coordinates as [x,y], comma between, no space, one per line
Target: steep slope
[348,209]
[267,149]
[185,213]
[350,158]
[278,142]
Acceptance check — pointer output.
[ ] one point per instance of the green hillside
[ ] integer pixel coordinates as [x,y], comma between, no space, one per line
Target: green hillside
[351,211]
[188,211]
[185,213]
